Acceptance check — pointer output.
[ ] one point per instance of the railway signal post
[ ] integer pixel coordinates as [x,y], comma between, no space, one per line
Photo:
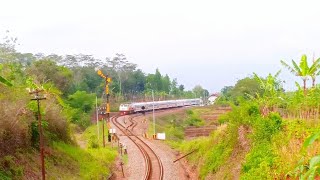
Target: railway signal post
[108,80]
[38,98]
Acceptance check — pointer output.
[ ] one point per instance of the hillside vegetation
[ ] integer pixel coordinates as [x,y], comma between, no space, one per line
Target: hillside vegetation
[269,134]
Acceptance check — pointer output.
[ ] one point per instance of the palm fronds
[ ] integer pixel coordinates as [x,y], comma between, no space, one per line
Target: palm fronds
[5,81]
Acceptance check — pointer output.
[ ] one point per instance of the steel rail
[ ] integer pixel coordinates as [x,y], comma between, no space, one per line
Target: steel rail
[143,150]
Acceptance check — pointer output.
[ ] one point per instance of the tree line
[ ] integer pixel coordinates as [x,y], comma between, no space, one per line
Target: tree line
[74,82]
[71,73]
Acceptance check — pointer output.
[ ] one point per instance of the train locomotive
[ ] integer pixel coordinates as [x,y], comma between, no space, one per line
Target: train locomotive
[135,107]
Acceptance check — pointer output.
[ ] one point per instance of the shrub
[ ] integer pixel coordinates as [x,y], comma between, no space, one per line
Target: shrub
[93,163]
[264,128]
[14,121]
[193,119]
[258,162]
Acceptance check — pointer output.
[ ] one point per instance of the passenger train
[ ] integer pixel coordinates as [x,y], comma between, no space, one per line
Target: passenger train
[135,107]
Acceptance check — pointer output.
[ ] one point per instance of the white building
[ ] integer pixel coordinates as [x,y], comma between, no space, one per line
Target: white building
[212,98]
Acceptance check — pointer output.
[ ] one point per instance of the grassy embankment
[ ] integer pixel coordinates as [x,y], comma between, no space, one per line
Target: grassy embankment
[246,145]
[174,124]
[63,161]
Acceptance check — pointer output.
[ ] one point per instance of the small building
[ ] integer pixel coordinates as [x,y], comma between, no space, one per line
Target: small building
[212,98]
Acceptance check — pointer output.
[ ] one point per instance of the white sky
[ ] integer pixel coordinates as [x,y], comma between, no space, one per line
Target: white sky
[212,43]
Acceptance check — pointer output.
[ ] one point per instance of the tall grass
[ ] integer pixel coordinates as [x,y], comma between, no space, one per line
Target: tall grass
[93,163]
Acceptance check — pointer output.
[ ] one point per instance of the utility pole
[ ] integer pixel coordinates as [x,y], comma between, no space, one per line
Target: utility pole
[108,80]
[154,121]
[38,99]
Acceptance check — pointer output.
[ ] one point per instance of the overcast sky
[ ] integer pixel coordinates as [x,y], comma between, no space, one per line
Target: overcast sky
[212,43]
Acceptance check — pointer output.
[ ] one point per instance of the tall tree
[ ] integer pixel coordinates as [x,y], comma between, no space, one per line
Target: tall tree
[246,88]
[158,80]
[174,87]
[181,87]
[47,70]
[166,83]
[121,67]
[198,91]
[7,49]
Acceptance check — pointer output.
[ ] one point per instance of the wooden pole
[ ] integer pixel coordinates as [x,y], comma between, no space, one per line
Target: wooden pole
[38,98]
[104,140]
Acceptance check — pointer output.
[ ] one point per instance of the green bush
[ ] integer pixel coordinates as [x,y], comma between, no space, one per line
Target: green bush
[264,128]
[258,162]
[193,119]
[260,159]
[78,107]
[223,119]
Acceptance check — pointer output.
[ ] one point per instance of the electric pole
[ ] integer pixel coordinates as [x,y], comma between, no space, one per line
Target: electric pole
[38,98]
[153,117]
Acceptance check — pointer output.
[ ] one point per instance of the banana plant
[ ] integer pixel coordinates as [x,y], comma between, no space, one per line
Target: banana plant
[271,96]
[303,70]
[315,71]
[312,170]
[314,163]
[3,80]
[270,85]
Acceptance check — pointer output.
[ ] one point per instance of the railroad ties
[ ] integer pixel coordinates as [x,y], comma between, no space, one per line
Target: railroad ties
[153,164]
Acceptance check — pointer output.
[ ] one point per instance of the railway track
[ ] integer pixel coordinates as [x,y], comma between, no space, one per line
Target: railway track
[153,164]
[133,122]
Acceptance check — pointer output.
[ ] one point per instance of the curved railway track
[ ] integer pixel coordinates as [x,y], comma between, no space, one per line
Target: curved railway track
[153,164]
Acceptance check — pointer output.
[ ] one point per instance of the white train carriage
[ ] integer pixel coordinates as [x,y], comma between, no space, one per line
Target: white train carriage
[130,108]
[125,109]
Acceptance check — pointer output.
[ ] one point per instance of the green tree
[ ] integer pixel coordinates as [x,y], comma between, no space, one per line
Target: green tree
[158,81]
[198,91]
[82,100]
[121,68]
[174,89]
[7,49]
[246,88]
[181,87]
[166,84]
[47,70]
